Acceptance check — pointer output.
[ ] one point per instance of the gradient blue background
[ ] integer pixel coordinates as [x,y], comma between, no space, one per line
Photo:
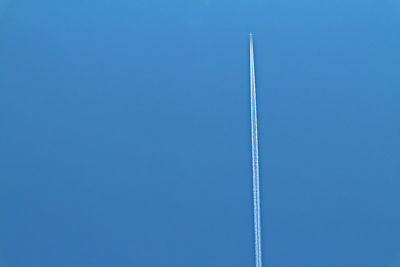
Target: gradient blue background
[125,133]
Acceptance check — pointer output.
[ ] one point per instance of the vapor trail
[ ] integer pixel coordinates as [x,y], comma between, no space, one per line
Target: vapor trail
[255,164]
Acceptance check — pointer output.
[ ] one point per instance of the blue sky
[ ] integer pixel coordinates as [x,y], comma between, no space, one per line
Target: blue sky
[125,133]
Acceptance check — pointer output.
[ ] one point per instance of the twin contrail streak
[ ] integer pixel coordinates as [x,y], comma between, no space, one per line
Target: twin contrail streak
[255,165]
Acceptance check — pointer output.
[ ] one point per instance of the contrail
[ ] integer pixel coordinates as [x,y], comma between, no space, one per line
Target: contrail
[254,150]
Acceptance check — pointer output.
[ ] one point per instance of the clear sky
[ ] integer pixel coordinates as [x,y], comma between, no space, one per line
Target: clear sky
[125,133]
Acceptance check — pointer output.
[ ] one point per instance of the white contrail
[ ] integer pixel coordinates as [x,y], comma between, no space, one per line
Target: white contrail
[254,149]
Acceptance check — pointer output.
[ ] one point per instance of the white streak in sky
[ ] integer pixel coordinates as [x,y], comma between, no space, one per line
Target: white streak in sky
[255,165]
